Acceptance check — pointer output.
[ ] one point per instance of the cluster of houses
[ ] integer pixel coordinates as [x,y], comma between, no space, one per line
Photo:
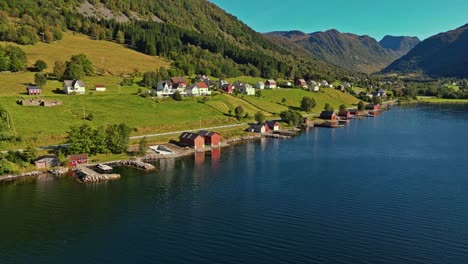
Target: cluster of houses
[179,84]
[313,86]
[267,127]
[347,114]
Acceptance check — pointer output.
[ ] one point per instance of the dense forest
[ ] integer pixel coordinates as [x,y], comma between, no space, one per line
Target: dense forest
[196,35]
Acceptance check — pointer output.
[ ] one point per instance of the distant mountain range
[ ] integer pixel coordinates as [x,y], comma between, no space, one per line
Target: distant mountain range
[442,55]
[346,50]
[400,45]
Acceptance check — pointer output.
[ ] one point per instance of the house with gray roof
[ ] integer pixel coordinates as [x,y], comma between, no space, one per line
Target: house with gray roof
[74,87]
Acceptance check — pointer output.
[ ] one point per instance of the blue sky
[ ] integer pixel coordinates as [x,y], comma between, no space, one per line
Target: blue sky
[376,18]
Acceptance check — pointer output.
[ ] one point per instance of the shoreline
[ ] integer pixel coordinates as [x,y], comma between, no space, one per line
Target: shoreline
[182,152]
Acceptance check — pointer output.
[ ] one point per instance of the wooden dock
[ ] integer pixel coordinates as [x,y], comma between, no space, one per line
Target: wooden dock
[329,125]
[278,136]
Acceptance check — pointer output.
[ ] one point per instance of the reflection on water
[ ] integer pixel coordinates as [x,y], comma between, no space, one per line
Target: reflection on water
[380,190]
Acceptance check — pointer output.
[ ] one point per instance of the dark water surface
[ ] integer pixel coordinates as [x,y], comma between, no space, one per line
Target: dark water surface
[392,189]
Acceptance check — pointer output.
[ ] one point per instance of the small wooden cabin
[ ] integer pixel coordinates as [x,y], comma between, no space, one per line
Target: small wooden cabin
[259,128]
[273,125]
[373,107]
[33,90]
[344,114]
[74,160]
[192,140]
[328,115]
[212,139]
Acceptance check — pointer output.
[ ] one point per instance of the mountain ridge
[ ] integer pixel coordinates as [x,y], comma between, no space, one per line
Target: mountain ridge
[347,50]
[442,55]
[399,44]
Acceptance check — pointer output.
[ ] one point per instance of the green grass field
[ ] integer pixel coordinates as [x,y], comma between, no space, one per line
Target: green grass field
[250,80]
[14,84]
[294,96]
[49,124]
[114,58]
[431,99]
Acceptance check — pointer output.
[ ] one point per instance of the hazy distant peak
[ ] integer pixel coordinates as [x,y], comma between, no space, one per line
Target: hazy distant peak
[399,44]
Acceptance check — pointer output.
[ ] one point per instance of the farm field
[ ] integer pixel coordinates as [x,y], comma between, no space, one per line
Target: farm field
[114,58]
[294,96]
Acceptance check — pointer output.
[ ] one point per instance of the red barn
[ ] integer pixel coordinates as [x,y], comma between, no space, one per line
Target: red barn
[227,88]
[344,114]
[328,115]
[212,139]
[33,90]
[270,84]
[178,82]
[74,160]
[373,107]
[301,83]
[193,140]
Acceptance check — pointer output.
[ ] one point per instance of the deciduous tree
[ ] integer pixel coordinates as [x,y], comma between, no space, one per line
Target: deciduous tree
[40,79]
[307,104]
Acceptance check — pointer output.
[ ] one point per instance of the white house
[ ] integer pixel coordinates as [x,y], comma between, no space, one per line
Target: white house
[259,85]
[203,88]
[164,88]
[247,89]
[314,88]
[74,87]
[270,84]
[324,83]
[192,90]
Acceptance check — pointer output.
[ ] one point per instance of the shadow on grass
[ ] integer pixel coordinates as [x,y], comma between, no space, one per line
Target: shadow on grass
[58,91]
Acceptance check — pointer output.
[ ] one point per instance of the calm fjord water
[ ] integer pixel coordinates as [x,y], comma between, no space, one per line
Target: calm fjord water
[393,189]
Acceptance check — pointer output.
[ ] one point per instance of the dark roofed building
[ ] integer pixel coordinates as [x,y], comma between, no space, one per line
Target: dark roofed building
[373,107]
[344,114]
[192,139]
[178,82]
[46,162]
[273,125]
[328,115]
[212,139]
[258,128]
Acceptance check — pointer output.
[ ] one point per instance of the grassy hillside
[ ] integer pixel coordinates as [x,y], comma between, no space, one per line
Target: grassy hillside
[15,84]
[49,125]
[294,96]
[114,58]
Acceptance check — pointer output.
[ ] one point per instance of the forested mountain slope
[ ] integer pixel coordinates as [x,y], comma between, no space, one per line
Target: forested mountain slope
[349,51]
[442,55]
[196,35]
